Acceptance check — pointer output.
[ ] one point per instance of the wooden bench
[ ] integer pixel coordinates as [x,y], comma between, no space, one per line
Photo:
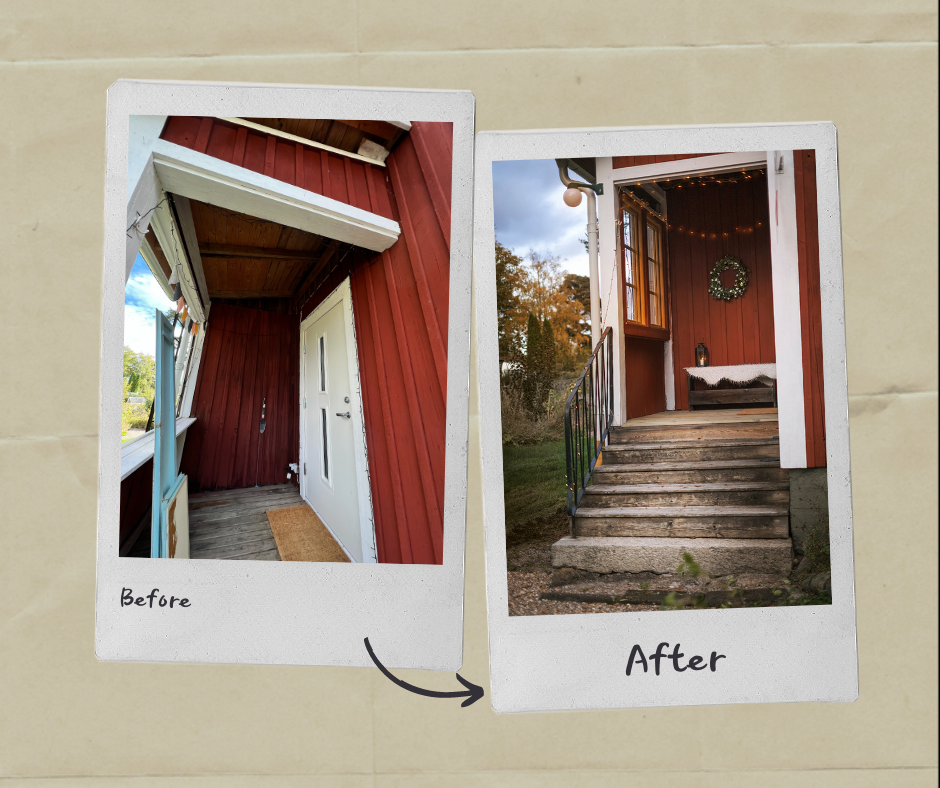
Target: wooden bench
[739,394]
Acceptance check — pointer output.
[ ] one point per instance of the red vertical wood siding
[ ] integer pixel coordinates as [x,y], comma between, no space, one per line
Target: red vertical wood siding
[136,496]
[646,383]
[337,177]
[705,224]
[638,161]
[807,232]
[400,303]
[248,356]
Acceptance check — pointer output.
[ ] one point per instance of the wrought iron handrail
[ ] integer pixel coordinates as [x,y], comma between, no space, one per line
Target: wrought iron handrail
[589,412]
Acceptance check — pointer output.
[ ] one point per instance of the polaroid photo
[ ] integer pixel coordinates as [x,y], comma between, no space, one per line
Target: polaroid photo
[660,327]
[284,374]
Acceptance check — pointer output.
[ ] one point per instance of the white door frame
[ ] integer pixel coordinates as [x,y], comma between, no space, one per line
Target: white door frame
[342,294]
[784,270]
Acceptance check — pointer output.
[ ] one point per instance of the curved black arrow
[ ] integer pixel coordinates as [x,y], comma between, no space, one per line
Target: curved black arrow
[473,693]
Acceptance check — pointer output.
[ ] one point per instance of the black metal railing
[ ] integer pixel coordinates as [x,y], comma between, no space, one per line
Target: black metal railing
[589,411]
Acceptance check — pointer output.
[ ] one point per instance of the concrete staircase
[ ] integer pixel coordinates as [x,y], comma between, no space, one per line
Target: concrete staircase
[714,490]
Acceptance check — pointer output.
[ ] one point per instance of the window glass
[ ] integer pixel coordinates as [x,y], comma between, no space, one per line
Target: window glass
[629,264]
[654,258]
[326,444]
[143,295]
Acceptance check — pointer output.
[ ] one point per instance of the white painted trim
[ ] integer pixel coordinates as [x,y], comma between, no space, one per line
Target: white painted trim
[704,165]
[140,205]
[670,375]
[294,138]
[343,294]
[170,237]
[185,215]
[788,337]
[610,285]
[154,265]
[143,132]
[189,384]
[205,178]
[136,452]
[143,188]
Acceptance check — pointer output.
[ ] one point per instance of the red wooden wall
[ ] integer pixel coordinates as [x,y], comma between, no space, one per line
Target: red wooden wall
[705,224]
[646,384]
[638,161]
[400,302]
[248,355]
[337,177]
[807,231]
[136,495]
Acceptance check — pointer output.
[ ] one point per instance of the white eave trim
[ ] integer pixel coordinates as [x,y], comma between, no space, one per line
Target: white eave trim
[701,165]
[136,452]
[154,265]
[205,178]
[285,135]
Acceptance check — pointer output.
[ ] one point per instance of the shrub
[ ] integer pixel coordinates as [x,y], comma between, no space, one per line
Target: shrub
[522,426]
[134,417]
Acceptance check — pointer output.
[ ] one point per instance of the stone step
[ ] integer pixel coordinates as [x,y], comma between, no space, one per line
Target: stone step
[708,494]
[641,434]
[765,469]
[719,522]
[691,451]
[663,555]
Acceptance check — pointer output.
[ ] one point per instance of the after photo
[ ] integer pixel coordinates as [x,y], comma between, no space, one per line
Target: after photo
[661,382]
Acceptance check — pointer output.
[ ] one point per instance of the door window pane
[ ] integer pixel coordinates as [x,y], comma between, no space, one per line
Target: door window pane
[326,445]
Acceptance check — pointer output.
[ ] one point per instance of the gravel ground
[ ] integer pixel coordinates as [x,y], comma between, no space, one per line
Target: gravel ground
[529,559]
[524,590]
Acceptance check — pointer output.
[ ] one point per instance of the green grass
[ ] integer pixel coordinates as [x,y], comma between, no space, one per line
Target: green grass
[533,482]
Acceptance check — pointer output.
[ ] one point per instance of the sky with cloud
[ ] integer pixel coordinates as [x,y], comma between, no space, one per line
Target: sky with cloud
[531,215]
[142,296]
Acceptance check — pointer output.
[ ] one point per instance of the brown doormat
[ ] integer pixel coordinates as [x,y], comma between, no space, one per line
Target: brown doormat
[756,411]
[301,536]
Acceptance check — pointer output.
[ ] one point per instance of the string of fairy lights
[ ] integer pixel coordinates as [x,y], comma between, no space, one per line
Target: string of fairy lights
[692,182]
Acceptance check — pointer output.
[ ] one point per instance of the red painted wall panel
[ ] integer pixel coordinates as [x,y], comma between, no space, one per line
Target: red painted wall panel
[646,385]
[136,496]
[807,231]
[249,356]
[705,224]
[400,302]
[337,177]
[638,161]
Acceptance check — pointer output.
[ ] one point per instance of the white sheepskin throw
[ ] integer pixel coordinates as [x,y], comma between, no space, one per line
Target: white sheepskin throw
[739,373]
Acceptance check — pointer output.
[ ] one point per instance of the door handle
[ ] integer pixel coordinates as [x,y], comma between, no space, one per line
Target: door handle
[345,415]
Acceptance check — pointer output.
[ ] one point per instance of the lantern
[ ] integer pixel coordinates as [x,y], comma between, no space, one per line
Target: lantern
[701,355]
[572,197]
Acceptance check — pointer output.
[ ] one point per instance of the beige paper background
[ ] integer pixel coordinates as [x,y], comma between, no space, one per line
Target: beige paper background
[66,719]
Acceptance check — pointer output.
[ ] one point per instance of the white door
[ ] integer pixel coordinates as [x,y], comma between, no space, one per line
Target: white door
[330,484]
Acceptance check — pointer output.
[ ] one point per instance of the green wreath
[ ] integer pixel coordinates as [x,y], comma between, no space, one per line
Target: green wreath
[722,293]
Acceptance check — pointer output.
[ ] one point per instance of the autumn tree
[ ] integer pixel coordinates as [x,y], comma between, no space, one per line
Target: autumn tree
[578,291]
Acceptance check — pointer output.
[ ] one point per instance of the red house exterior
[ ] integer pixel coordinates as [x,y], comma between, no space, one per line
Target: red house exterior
[400,306]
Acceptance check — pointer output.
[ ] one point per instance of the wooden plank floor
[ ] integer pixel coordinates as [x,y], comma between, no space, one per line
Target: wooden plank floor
[676,418]
[232,524]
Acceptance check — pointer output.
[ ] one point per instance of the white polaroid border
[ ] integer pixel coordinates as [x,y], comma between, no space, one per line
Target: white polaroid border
[578,661]
[293,612]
